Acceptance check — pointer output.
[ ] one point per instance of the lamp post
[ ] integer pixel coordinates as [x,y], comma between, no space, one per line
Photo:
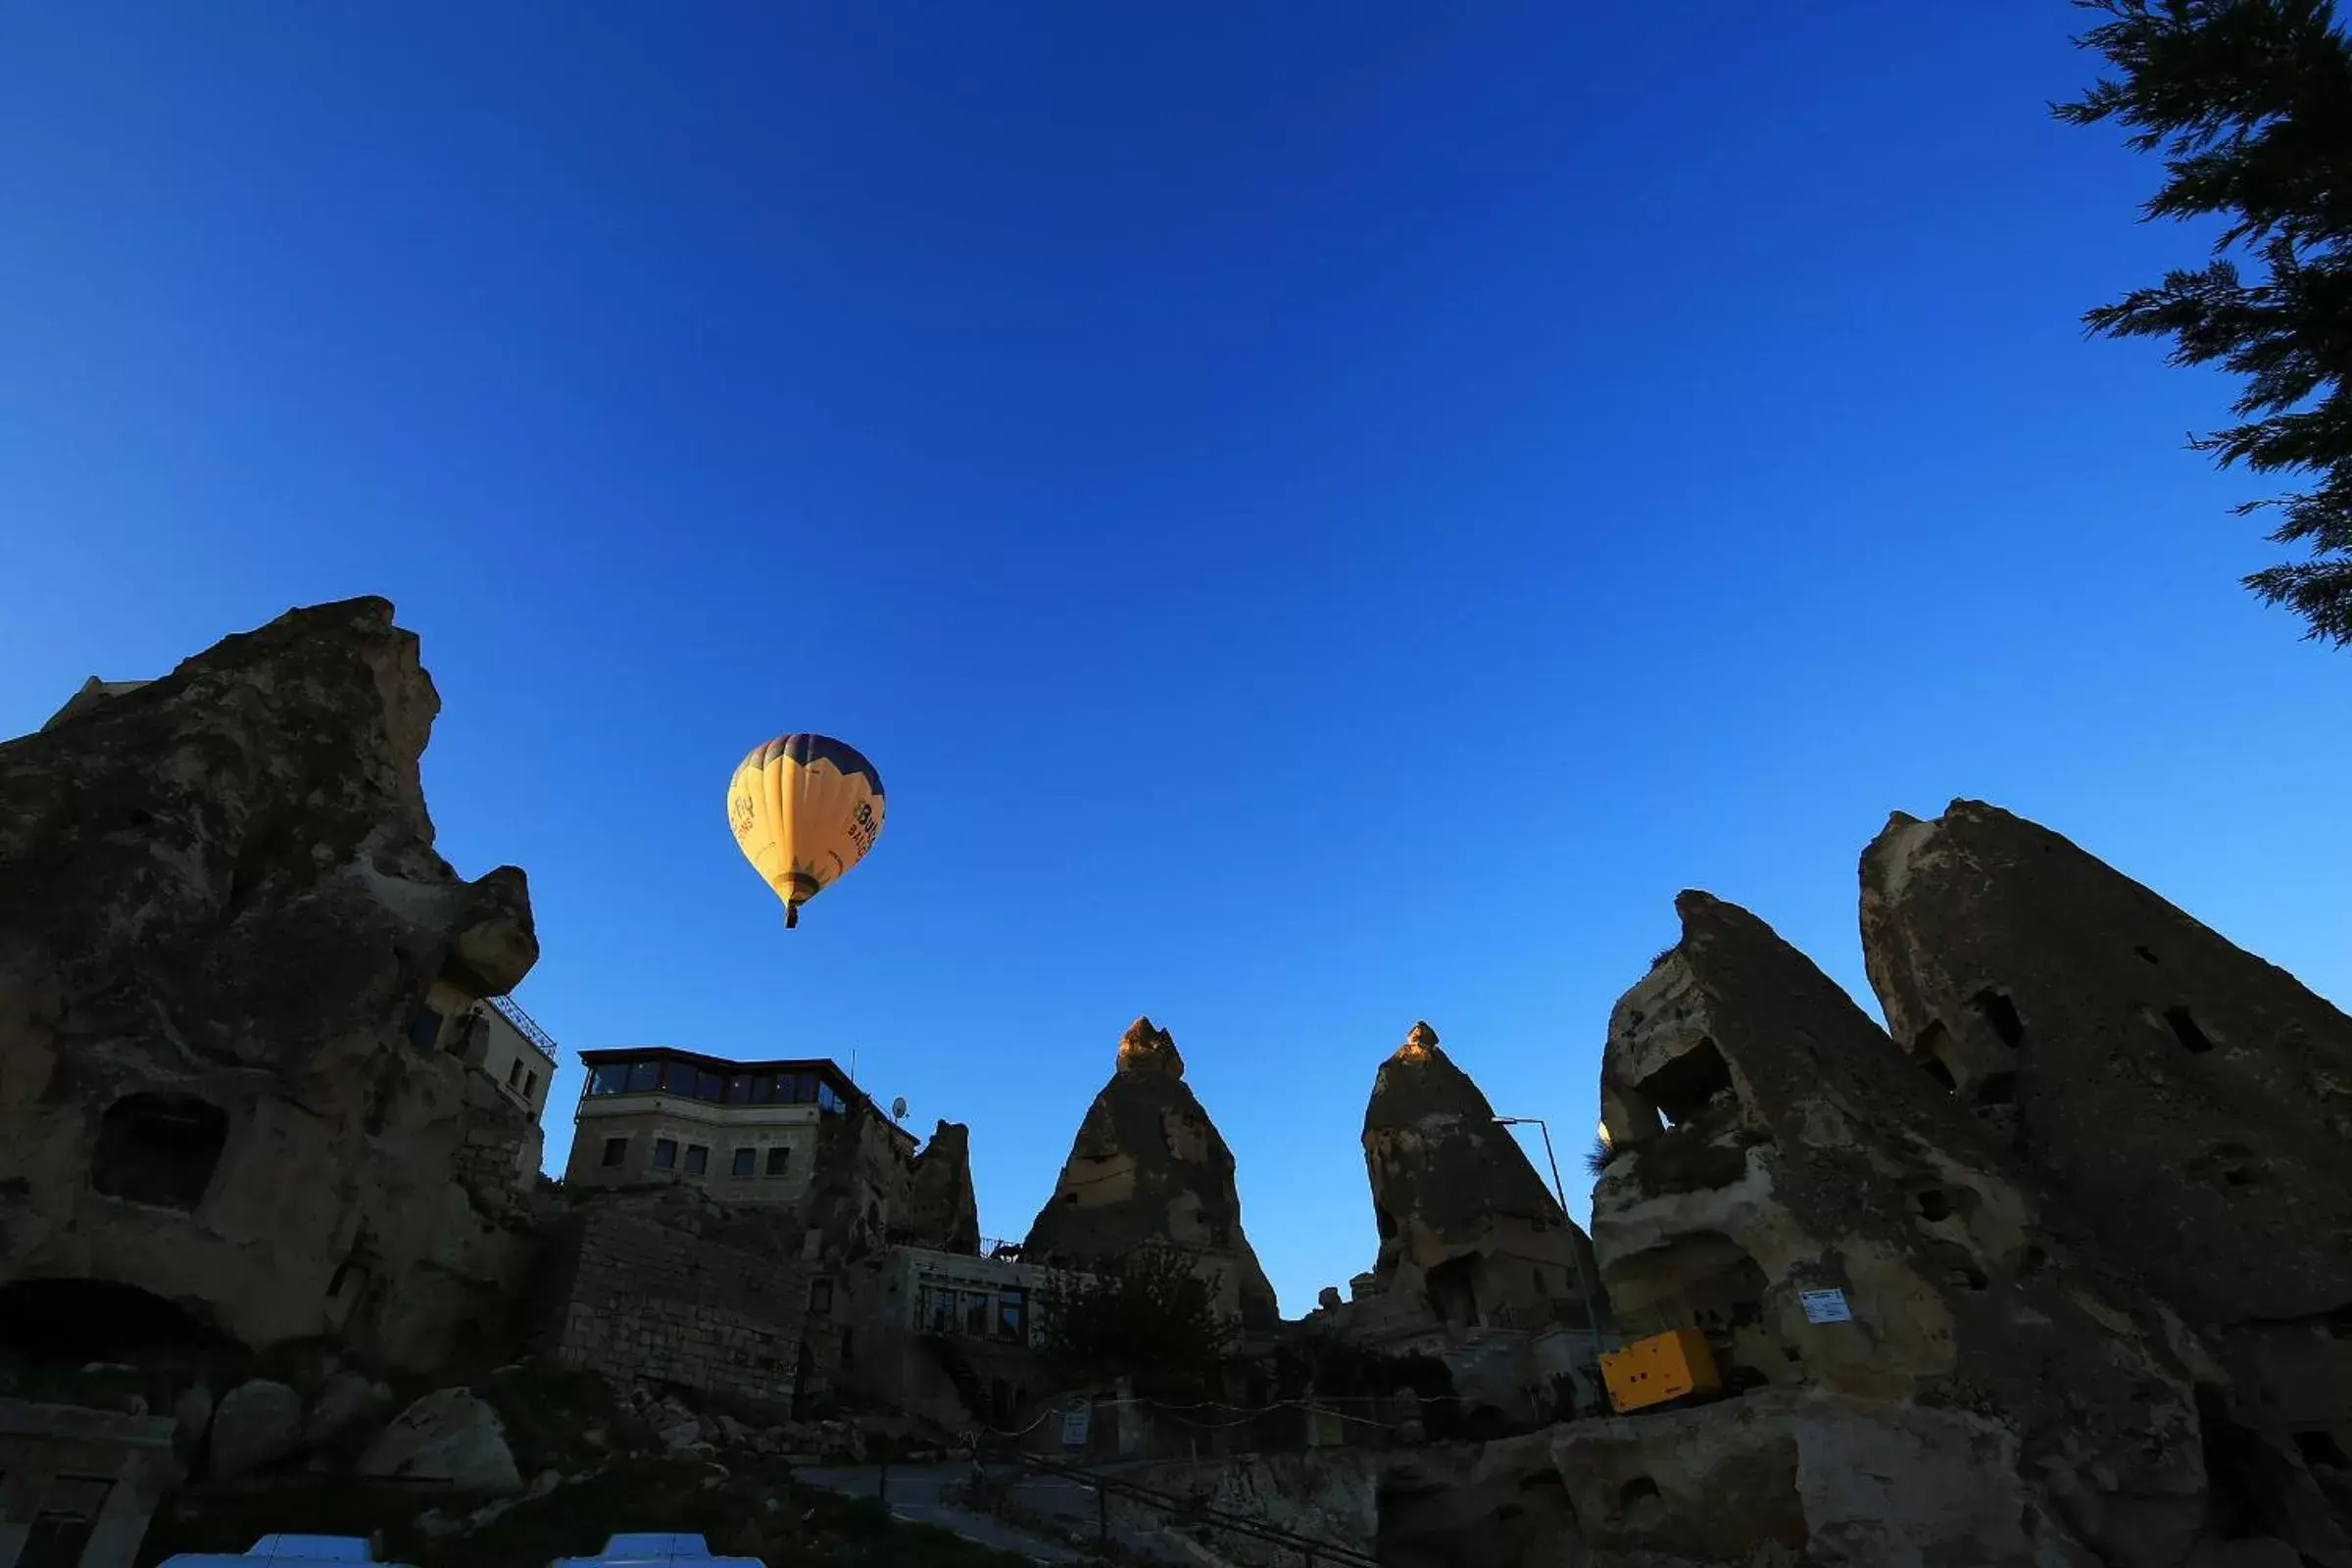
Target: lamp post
[1593,1307]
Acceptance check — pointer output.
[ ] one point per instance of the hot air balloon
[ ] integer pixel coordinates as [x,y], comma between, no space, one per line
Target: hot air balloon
[805,808]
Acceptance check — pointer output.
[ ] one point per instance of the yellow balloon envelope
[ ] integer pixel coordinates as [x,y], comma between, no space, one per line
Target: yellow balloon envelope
[805,808]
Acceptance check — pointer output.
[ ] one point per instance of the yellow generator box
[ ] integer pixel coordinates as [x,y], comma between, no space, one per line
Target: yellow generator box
[1662,1367]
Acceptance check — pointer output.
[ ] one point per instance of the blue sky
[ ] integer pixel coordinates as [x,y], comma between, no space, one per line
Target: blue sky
[1323,515]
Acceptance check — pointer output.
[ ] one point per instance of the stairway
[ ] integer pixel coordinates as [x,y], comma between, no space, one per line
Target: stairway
[949,1357]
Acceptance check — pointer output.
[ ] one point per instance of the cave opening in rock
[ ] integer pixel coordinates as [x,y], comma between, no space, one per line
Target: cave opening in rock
[2319,1447]
[1935,1203]
[1384,1222]
[2000,1015]
[2249,1485]
[157,1149]
[70,1323]
[2185,1030]
[1684,1086]
[1930,1048]
[1997,1089]
[1452,1295]
[2145,954]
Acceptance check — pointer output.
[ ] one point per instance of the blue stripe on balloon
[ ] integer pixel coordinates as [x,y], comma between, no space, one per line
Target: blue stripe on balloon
[803,749]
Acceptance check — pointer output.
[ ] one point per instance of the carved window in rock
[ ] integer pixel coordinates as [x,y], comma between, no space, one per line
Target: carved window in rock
[157,1149]
[2194,1039]
[424,1028]
[617,1149]
[1688,1084]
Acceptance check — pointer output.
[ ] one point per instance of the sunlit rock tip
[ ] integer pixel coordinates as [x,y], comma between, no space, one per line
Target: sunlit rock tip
[1145,1047]
[1420,1044]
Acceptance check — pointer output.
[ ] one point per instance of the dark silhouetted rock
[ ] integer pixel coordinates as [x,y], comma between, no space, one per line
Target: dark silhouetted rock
[259,1422]
[1148,1165]
[452,1438]
[1467,1227]
[225,935]
[941,1209]
[1770,1142]
[2195,1101]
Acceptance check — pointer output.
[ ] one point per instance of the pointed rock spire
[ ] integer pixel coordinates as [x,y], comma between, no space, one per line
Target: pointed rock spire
[1148,1166]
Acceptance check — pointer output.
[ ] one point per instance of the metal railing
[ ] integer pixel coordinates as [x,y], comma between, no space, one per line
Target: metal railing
[526,1025]
[1177,1512]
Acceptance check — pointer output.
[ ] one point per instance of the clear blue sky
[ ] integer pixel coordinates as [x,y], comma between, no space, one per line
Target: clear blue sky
[1323,515]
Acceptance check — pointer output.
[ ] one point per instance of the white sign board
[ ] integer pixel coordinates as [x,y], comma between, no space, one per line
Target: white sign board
[1825,1307]
[1076,1425]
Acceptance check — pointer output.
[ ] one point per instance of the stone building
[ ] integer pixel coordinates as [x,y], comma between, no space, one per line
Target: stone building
[745,1132]
[77,1486]
[642,1300]
[949,1336]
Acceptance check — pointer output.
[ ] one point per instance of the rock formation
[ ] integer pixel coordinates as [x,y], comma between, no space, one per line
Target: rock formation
[224,936]
[1467,1228]
[2000,1392]
[942,1211]
[1148,1165]
[2195,1101]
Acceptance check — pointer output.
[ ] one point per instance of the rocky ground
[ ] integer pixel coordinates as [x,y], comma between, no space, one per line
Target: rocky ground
[527,1464]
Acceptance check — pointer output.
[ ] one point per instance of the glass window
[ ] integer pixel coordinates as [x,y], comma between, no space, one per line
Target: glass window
[972,1306]
[708,1086]
[826,1098]
[820,1296]
[676,1078]
[644,1076]
[608,1079]
[746,1161]
[738,1090]
[617,1149]
[665,1154]
[779,1160]
[1012,1316]
[939,1314]
[697,1159]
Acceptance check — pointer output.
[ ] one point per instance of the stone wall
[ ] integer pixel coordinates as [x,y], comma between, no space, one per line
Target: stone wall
[640,1302]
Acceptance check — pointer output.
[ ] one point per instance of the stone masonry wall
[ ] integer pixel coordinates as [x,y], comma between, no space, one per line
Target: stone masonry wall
[640,1302]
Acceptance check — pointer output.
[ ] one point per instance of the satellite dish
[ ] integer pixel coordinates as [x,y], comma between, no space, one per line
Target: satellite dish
[898,1109]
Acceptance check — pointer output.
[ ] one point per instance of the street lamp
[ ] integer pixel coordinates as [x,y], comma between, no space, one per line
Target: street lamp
[1595,1309]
